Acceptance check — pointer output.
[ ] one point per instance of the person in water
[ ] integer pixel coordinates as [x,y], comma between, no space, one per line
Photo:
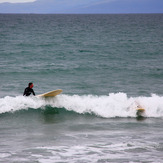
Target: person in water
[29,90]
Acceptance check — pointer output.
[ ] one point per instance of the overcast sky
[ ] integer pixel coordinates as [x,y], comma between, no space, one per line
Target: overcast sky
[81,6]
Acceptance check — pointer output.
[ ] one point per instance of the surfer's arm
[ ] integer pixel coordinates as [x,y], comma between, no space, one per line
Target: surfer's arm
[24,92]
[33,92]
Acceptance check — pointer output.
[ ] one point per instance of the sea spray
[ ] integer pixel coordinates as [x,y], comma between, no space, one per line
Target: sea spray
[113,105]
[12,104]
[104,106]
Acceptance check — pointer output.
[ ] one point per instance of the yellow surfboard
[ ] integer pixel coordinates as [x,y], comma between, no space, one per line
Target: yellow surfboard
[51,93]
[140,112]
[140,109]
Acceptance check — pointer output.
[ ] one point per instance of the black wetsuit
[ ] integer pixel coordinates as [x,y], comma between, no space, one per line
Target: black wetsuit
[28,91]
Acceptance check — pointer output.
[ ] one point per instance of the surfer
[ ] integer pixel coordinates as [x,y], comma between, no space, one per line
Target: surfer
[29,90]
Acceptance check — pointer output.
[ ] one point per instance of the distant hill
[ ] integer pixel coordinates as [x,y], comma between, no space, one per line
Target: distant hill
[114,6]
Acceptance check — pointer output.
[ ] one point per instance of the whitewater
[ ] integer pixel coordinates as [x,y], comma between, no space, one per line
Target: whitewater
[106,106]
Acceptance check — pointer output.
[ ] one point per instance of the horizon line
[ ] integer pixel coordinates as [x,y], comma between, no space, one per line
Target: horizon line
[85,13]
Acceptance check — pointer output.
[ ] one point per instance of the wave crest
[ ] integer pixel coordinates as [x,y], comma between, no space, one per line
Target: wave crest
[113,105]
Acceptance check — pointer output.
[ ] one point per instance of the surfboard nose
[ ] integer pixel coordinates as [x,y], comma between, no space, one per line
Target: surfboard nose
[51,93]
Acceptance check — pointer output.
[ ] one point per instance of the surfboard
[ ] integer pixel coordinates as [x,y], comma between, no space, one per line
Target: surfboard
[140,111]
[51,93]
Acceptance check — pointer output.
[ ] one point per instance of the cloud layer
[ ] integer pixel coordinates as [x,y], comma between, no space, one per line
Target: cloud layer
[16,1]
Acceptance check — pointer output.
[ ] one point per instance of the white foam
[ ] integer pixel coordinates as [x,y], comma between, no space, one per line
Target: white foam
[3,155]
[11,104]
[113,105]
[97,152]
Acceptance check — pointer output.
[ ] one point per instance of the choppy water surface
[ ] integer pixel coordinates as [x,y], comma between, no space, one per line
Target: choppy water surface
[107,66]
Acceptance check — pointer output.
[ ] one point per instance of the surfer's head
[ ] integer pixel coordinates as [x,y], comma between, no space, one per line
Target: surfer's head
[30,85]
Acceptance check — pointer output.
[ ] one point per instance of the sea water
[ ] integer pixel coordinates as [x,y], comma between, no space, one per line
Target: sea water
[106,65]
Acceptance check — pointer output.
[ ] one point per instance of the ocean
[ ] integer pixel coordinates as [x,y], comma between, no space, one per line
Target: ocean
[106,64]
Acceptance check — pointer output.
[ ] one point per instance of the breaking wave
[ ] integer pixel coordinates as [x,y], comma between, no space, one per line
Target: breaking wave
[113,105]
